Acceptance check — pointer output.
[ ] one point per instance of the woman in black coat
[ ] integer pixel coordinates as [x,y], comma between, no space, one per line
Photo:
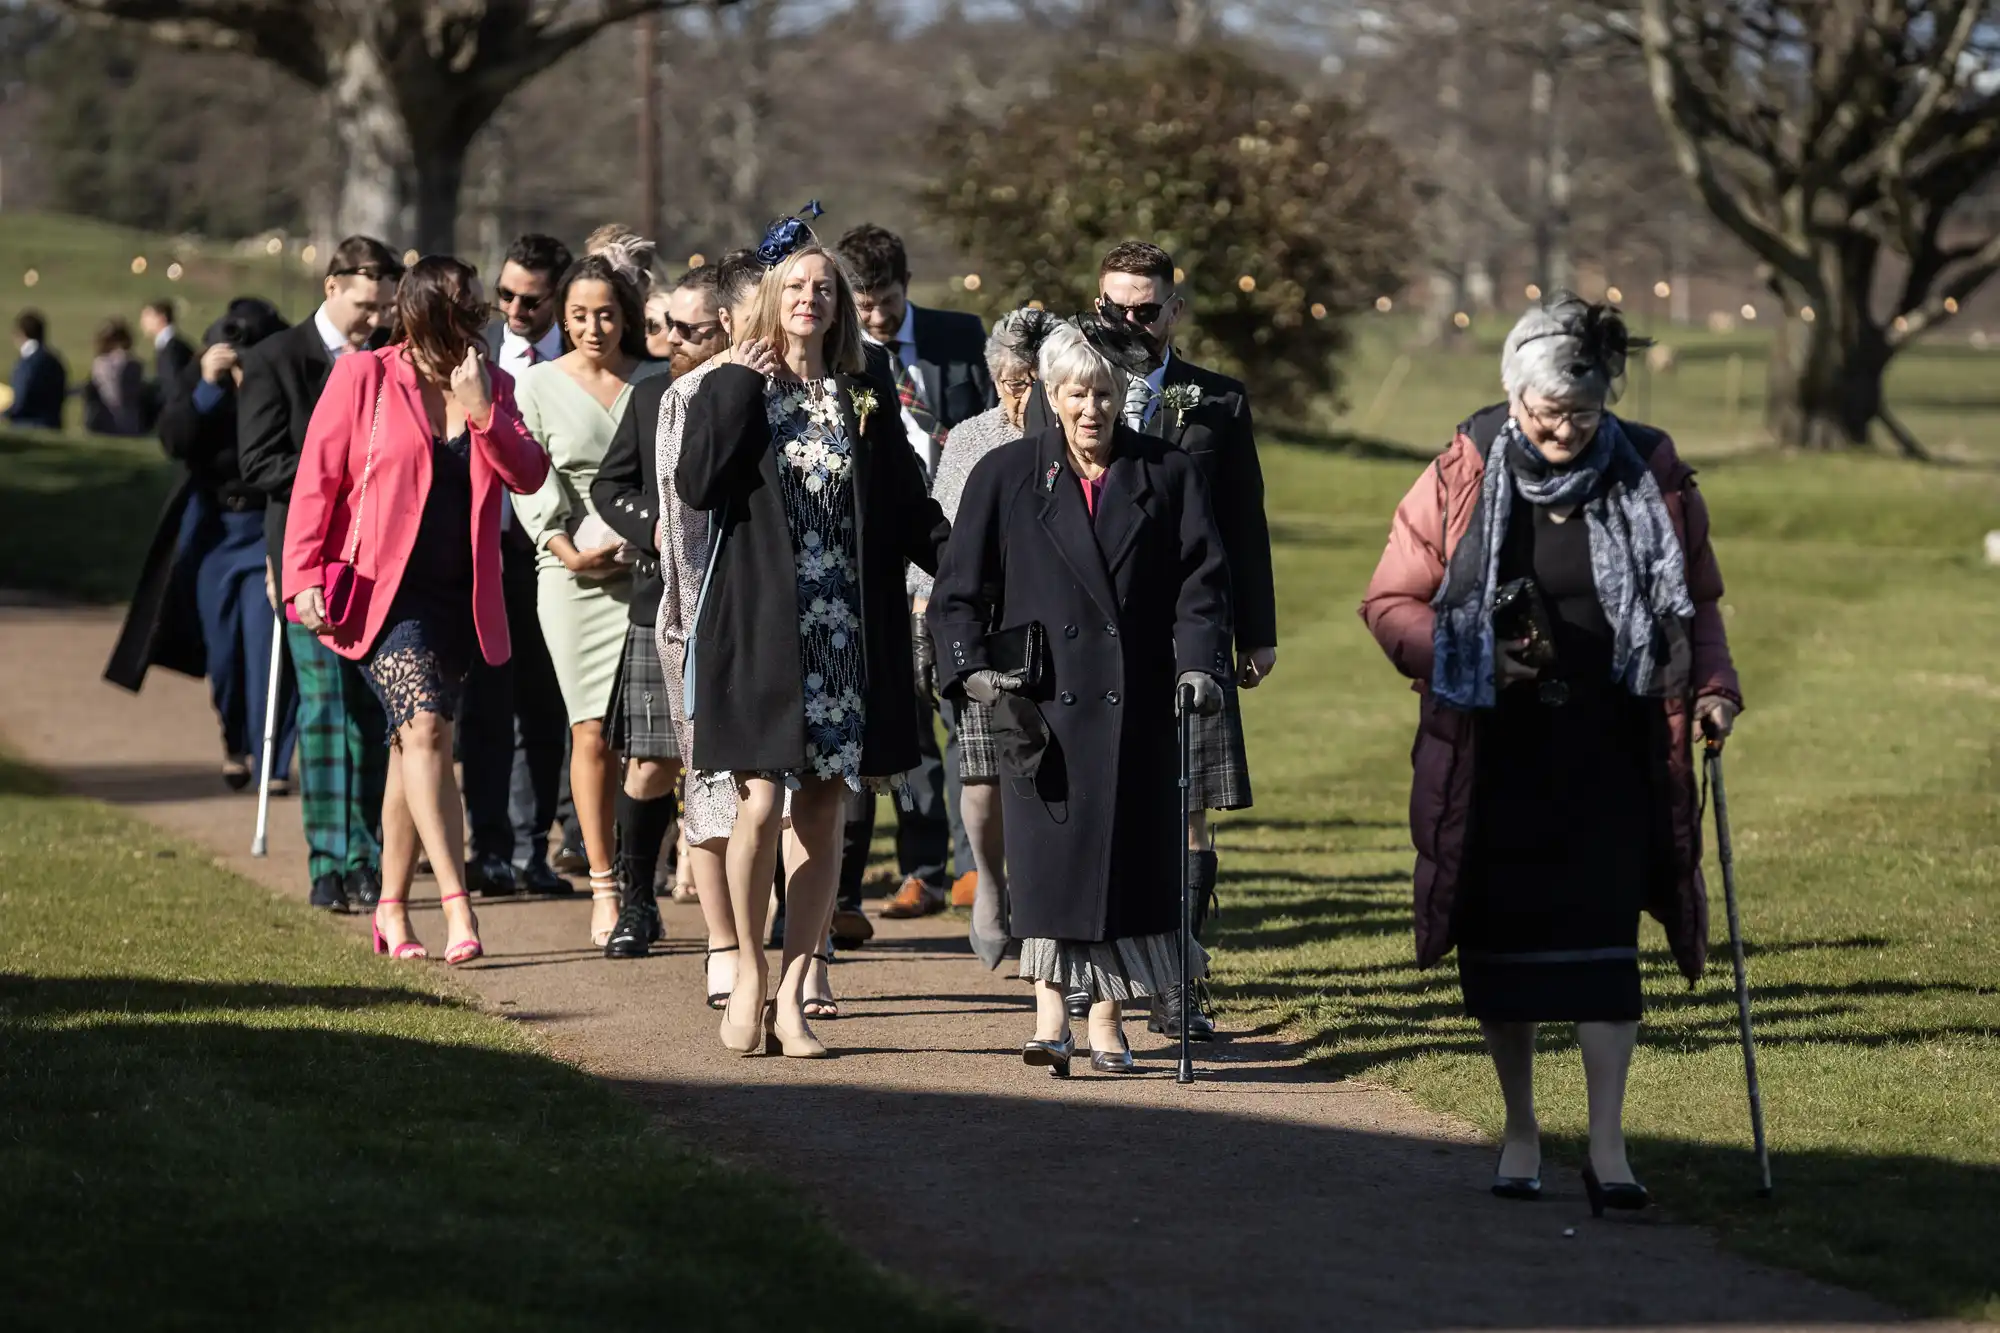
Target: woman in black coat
[1104,538]
[201,607]
[801,664]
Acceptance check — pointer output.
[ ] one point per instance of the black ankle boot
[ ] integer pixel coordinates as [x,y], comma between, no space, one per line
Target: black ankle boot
[1202,869]
[1166,1015]
[639,926]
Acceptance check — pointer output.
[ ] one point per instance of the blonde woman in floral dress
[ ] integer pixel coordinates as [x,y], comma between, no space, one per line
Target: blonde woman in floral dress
[802,671]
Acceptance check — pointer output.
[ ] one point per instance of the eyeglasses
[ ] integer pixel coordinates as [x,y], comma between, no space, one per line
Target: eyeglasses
[1016,387]
[1113,313]
[694,333]
[1581,421]
[527,303]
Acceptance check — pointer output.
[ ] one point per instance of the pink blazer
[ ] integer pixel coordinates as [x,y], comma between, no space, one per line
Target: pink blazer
[504,458]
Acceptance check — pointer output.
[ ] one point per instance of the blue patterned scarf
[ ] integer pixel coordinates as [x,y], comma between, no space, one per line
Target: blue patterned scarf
[1635,561]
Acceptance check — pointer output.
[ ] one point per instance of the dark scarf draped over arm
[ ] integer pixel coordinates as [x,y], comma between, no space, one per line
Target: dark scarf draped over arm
[1635,561]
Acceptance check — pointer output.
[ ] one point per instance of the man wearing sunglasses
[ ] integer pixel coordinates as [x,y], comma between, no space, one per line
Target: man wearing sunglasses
[513,728]
[1210,419]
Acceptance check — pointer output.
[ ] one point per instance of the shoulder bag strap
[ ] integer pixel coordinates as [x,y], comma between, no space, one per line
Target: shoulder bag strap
[367,466]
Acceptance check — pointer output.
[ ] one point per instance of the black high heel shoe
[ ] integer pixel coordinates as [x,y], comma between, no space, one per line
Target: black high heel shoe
[1055,1055]
[1526,1188]
[1625,1196]
[1114,1062]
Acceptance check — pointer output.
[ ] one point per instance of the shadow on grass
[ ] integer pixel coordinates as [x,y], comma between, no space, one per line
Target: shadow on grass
[1355,444]
[54,487]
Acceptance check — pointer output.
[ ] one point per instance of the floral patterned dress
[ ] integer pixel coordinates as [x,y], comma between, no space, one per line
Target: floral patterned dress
[816,478]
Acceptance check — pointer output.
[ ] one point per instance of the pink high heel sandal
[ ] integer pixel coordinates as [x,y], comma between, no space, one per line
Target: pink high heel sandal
[465,950]
[408,949]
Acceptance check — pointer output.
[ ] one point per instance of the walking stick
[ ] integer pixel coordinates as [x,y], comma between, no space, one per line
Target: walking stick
[1186,1074]
[258,844]
[1713,758]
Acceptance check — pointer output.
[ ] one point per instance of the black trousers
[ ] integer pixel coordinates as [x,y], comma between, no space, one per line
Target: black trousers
[925,833]
[514,731]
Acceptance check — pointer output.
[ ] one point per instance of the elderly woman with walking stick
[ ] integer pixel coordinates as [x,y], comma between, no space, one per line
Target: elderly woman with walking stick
[1083,587]
[1549,585]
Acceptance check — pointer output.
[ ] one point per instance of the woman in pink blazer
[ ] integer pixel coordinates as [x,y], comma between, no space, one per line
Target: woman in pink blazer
[401,479]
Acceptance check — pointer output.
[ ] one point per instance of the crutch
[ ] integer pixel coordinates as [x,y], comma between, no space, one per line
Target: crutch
[1186,1074]
[1713,758]
[258,845]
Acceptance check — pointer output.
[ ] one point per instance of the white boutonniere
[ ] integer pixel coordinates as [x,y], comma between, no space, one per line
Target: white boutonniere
[864,407]
[1180,399]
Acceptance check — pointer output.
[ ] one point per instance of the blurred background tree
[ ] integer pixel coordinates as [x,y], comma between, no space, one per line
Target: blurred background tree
[1284,212]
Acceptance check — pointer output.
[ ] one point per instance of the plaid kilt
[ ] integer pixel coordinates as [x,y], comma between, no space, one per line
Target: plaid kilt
[343,757]
[978,757]
[1221,765]
[642,726]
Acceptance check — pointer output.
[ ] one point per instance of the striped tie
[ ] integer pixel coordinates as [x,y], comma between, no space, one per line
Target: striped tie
[911,391]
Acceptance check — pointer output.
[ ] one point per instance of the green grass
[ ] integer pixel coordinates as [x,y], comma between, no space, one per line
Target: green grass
[77,512]
[216,1111]
[1864,794]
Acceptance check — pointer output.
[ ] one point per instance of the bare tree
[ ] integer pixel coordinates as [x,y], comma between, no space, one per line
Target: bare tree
[1841,140]
[406,84]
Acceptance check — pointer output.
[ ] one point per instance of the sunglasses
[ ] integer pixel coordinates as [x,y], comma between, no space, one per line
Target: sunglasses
[1113,313]
[527,303]
[694,333]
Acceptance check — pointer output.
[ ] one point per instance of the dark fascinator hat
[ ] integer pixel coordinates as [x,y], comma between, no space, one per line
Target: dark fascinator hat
[1120,344]
[248,321]
[1603,341]
[788,234]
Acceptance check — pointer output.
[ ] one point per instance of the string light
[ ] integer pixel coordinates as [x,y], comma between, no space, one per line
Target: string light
[308,254]
[174,272]
[1180,276]
[1462,320]
[1749,311]
[1246,284]
[1901,325]
[1318,310]
[410,257]
[697,260]
[138,263]
[1613,295]
[1384,304]
[1951,305]
[275,246]
[1532,292]
[1663,289]
[31,277]
[1806,314]
[972,282]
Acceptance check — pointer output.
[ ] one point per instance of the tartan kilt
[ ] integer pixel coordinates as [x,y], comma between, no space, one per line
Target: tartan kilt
[978,757]
[1221,772]
[642,725]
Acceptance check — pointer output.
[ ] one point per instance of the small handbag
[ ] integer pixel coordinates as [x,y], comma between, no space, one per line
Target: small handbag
[341,585]
[1020,651]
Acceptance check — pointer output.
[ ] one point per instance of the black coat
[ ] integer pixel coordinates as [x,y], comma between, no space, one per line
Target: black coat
[951,363]
[282,379]
[1128,602]
[170,365]
[626,491]
[41,384]
[749,694]
[1218,433]
[162,625]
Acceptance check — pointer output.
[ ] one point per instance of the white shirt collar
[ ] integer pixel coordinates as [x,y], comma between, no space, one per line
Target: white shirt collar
[331,338]
[163,337]
[30,347]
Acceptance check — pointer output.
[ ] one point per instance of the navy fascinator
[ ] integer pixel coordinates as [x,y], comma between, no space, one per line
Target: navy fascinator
[788,234]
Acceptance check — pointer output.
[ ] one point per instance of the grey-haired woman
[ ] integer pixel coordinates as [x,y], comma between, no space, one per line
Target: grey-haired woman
[1010,356]
[1104,538]
[1550,585]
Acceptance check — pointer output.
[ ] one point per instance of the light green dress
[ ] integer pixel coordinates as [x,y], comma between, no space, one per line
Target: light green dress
[583,619]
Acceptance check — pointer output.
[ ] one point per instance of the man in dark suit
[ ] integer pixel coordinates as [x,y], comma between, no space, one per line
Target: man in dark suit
[938,361]
[1208,415]
[171,354]
[513,730]
[343,754]
[40,383]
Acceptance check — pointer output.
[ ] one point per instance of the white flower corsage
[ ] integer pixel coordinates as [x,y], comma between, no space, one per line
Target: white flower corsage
[864,407]
[1180,399]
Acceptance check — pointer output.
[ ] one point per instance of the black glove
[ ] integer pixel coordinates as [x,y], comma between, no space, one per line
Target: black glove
[986,687]
[924,652]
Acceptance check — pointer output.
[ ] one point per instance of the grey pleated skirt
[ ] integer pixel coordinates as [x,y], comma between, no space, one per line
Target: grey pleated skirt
[1128,969]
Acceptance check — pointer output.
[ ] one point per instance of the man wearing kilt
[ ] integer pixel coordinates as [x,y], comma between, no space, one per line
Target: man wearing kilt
[1207,415]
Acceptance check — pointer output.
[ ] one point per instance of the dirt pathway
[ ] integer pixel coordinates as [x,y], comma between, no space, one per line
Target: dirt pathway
[1265,1197]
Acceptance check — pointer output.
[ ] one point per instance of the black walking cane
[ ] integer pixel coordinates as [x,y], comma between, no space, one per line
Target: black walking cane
[1186,1074]
[1713,759]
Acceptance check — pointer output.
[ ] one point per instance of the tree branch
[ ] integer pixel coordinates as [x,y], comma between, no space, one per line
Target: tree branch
[287,39]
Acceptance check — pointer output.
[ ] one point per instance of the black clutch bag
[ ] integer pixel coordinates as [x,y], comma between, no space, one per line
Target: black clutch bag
[1520,613]
[1021,651]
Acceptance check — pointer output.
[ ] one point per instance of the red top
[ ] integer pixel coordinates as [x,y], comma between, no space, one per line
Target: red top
[1092,489]
[504,458]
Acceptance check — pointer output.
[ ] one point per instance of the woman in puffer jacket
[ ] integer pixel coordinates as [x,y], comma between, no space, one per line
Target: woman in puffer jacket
[1554,796]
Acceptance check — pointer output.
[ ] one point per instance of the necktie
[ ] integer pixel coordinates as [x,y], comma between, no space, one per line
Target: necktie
[1138,398]
[533,355]
[911,391]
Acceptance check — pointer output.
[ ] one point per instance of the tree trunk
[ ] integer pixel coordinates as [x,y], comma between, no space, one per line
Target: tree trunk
[1826,372]
[375,166]
[440,171]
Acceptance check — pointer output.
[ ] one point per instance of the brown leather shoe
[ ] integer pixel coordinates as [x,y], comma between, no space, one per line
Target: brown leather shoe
[851,929]
[915,898]
[965,889]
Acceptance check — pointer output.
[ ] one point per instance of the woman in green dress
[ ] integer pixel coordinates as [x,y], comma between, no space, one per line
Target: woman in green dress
[572,405]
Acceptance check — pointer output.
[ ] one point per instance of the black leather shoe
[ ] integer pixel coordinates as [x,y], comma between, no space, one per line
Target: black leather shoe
[1527,1188]
[1625,1196]
[1076,1003]
[329,893]
[638,927]
[491,877]
[1114,1062]
[1054,1055]
[537,878]
[364,888]
[1166,1015]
